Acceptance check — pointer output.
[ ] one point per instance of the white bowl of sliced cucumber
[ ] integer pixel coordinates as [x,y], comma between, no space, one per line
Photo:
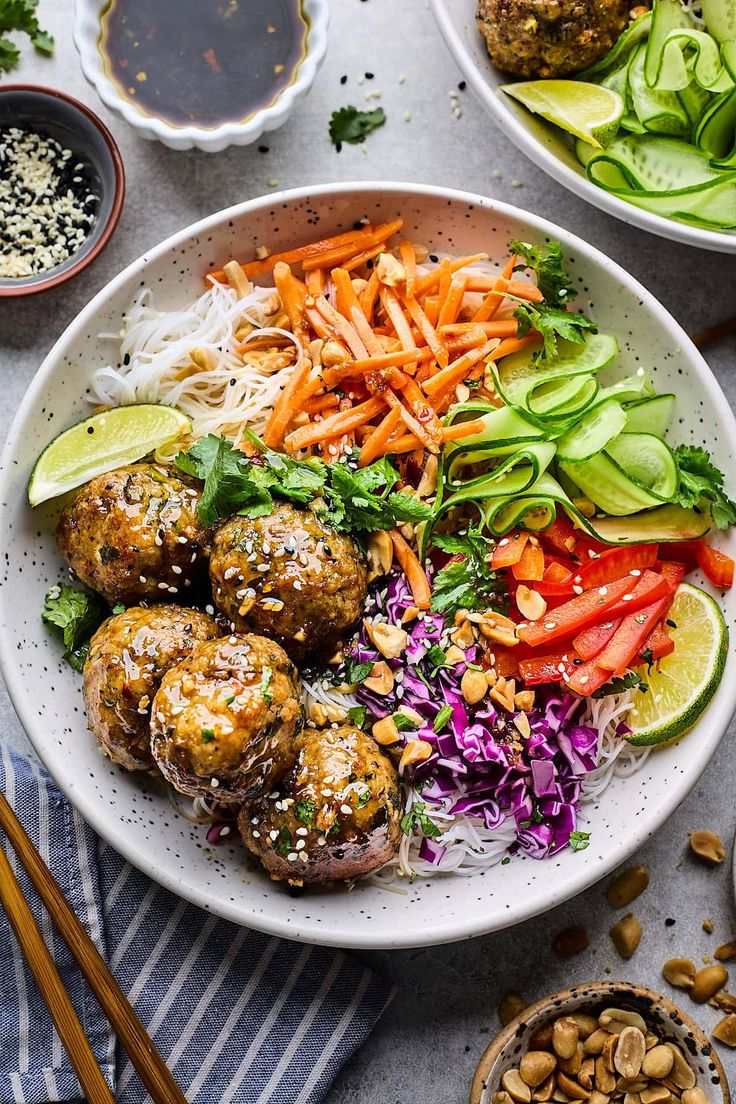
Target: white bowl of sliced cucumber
[671,167]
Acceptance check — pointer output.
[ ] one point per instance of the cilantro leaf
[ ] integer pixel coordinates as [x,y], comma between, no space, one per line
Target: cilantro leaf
[266,692]
[355,672]
[579,841]
[305,811]
[469,583]
[349,124]
[357,715]
[407,508]
[404,723]
[20,15]
[437,657]
[283,842]
[700,479]
[417,819]
[631,680]
[442,718]
[76,615]
[546,262]
[552,323]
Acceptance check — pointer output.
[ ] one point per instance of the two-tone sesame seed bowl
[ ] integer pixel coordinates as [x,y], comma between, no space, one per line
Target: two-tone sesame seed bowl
[61,188]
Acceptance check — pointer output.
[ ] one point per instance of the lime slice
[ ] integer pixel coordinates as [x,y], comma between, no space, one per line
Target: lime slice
[682,684]
[589,111]
[100,443]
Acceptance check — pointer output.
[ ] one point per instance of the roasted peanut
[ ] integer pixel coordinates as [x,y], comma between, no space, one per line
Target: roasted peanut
[694,1096]
[416,751]
[616,1019]
[545,1091]
[605,1081]
[658,1062]
[542,1038]
[586,1024]
[385,732]
[682,1074]
[571,1088]
[530,603]
[473,686]
[707,846]
[572,1065]
[654,1094]
[381,679]
[626,935]
[707,982]
[380,554]
[502,1098]
[725,1031]
[536,1066]
[630,1052]
[390,640]
[726,952]
[570,941]
[679,972]
[597,1097]
[512,1005]
[627,886]
[595,1041]
[515,1087]
[565,1037]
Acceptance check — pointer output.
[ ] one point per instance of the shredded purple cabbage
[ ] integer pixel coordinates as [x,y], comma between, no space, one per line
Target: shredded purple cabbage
[481,765]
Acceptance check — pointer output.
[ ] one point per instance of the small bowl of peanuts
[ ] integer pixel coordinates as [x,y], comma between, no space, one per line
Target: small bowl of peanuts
[603,1042]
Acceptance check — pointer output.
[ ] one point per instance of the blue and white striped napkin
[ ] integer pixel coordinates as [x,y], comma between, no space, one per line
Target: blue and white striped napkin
[241,1018]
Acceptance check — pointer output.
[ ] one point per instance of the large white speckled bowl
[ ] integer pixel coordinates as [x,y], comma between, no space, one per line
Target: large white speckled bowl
[132,812]
[546,145]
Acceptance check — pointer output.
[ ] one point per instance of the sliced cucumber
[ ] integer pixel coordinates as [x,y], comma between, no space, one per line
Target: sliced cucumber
[657,110]
[695,100]
[720,19]
[518,377]
[648,461]
[654,164]
[664,524]
[716,131]
[667,16]
[651,415]
[592,434]
[627,390]
[609,486]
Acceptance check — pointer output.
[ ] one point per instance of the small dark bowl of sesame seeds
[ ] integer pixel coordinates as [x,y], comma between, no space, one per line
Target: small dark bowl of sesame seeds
[61,188]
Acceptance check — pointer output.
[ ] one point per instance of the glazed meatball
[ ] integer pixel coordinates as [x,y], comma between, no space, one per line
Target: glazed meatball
[550,38]
[290,576]
[128,656]
[335,815]
[223,722]
[133,533]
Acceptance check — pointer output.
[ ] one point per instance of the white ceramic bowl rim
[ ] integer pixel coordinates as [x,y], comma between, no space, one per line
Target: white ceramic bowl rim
[621,846]
[86,35]
[447,15]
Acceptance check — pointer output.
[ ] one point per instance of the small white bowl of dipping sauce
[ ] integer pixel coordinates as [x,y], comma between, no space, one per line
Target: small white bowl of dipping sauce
[200,73]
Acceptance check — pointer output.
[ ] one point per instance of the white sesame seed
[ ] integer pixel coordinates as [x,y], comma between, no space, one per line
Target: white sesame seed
[300,845]
[176,569]
[214,783]
[292,856]
[627,597]
[346,809]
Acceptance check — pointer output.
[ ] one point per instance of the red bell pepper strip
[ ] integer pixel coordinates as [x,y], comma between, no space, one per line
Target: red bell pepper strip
[509,549]
[587,678]
[588,608]
[646,590]
[503,661]
[616,563]
[530,565]
[547,668]
[593,640]
[658,644]
[560,536]
[626,642]
[682,551]
[556,572]
[674,573]
[717,566]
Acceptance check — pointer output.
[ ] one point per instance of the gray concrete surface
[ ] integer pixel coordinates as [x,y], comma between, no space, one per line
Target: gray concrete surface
[425,1050]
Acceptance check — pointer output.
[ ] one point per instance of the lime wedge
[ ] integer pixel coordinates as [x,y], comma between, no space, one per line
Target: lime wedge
[682,684]
[100,443]
[589,111]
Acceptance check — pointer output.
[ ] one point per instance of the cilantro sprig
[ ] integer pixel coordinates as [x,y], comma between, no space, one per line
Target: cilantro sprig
[550,319]
[20,15]
[418,820]
[351,499]
[546,263]
[468,583]
[75,615]
[632,680]
[699,478]
[350,124]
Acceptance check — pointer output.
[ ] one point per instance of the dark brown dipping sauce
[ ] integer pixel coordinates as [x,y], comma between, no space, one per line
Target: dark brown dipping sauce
[204,62]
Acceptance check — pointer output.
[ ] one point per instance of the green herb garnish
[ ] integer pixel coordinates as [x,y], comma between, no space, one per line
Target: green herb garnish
[305,811]
[208,735]
[552,323]
[266,677]
[700,479]
[20,15]
[363,798]
[76,615]
[437,657]
[404,723]
[630,681]
[442,718]
[355,672]
[349,124]
[417,819]
[357,715]
[283,842]
[469,583]
[119,607]
[579,841]
[546,262]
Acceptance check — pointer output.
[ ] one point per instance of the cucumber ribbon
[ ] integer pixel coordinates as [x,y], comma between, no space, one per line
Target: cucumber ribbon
[563,441]
[675,153]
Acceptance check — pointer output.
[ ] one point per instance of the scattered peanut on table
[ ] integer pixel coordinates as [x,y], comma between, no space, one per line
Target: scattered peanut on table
[708,847]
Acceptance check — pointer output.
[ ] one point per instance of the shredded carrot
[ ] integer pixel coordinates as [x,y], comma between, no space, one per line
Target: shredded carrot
[376,443]
[491,302]
[392,306]
[409,261]
[519,288]
[320,404]
[451,306]
[421,408]
[292,293]
[427,330]
[363,258]
[316,282]
[286,405]
[386,360]
[462,429]
[333,426]
[413,424]
[415,574]
[342,255]
[514,345]
[460,343]
[430,281]
[369,294]
[302,253]
[457,371]
[345,296]
[505,327]
[431,307]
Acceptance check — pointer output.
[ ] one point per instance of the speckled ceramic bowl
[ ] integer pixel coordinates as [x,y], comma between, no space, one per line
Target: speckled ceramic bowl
[664,1017]
[134,813]
[546,145]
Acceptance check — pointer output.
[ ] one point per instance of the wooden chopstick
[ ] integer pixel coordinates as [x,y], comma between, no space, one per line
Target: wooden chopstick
[51,987]
[131,1033]
[715,333]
